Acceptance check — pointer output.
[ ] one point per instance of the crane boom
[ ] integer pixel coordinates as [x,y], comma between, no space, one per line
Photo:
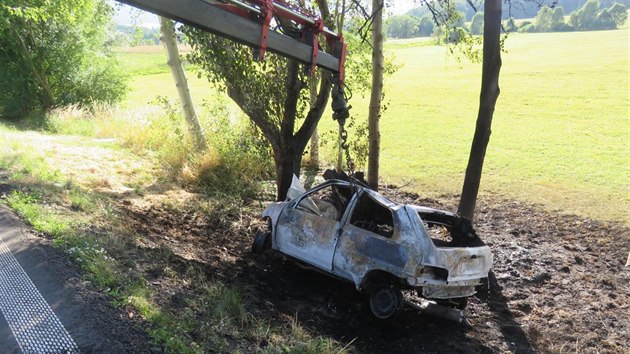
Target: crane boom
[213,17]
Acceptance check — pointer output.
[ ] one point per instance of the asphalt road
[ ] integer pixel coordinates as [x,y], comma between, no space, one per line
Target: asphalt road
[46,307]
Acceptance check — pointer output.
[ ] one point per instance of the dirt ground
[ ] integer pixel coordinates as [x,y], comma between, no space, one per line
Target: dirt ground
[558,283]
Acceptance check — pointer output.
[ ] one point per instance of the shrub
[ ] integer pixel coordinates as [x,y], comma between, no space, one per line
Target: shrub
[530,28]
[565,27]
[238,158]
[54,53]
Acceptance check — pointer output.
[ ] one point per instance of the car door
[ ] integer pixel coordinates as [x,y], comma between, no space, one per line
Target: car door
[308,228]
[369,240]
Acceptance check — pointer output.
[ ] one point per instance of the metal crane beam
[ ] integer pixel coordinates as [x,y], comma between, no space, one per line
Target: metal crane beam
[207,17]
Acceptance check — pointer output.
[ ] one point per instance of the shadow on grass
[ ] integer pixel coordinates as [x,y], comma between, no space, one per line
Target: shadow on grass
[35,121]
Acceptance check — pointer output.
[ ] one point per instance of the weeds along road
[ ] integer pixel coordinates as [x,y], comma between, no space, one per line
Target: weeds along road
[46,308]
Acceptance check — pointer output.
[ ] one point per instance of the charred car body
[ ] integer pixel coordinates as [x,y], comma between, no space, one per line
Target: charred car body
[354,233]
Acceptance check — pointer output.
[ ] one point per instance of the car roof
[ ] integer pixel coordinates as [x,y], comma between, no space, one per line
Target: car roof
[379,197]
[374,194]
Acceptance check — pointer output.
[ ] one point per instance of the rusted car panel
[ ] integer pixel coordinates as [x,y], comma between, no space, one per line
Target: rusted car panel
[352,232]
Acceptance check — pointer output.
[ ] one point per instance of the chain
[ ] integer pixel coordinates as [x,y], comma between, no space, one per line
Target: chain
[343,135]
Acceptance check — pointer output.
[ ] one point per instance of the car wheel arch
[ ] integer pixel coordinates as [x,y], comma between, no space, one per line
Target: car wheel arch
[377,277]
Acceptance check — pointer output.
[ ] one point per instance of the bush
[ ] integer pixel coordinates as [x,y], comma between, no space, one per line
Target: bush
[54,53]
[530,28]
[565,27]
[238,158]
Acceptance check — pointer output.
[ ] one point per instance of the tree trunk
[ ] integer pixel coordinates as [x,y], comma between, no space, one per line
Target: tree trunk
[46,99]
[314,158]
[377,94]
[487,101]
[177,70]
[286,159]
[285,169]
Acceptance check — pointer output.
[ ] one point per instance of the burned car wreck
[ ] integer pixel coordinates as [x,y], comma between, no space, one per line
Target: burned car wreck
[354,233]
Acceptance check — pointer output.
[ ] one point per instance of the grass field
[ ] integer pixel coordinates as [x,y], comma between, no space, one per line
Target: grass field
[561,131]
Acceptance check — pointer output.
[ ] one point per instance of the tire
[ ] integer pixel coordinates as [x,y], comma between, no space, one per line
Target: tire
[260,240]
[386,302]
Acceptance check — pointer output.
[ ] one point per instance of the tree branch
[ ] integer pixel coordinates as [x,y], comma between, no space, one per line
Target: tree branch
[287,125]
[270,131]
[315,113]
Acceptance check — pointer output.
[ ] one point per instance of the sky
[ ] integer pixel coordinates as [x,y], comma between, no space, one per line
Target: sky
[127,15]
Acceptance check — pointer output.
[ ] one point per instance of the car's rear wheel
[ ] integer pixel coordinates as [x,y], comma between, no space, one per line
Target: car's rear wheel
[259,242]
[386,302]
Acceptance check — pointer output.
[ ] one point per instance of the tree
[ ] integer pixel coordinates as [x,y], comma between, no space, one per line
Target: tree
[550,20]
[605,20]
[272,93]
[425,28]
[450,23]
[181,82]
[314,148]
[557,19]
[376,95]
[543,19]
[402,26]
[585,18]
[489,94]
[612,17]
[619,13]
[509,25]
[476,25]
[53,53]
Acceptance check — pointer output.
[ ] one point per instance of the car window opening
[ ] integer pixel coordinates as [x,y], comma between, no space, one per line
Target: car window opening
[329,202]
[374,217]
[439,234]
[450,231]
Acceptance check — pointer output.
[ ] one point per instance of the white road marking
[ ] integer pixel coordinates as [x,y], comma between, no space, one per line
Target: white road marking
[35,326]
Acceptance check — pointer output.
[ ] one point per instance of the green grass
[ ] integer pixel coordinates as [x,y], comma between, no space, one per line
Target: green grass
[138,64]
[561,130]
[145,88]
[42,219]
